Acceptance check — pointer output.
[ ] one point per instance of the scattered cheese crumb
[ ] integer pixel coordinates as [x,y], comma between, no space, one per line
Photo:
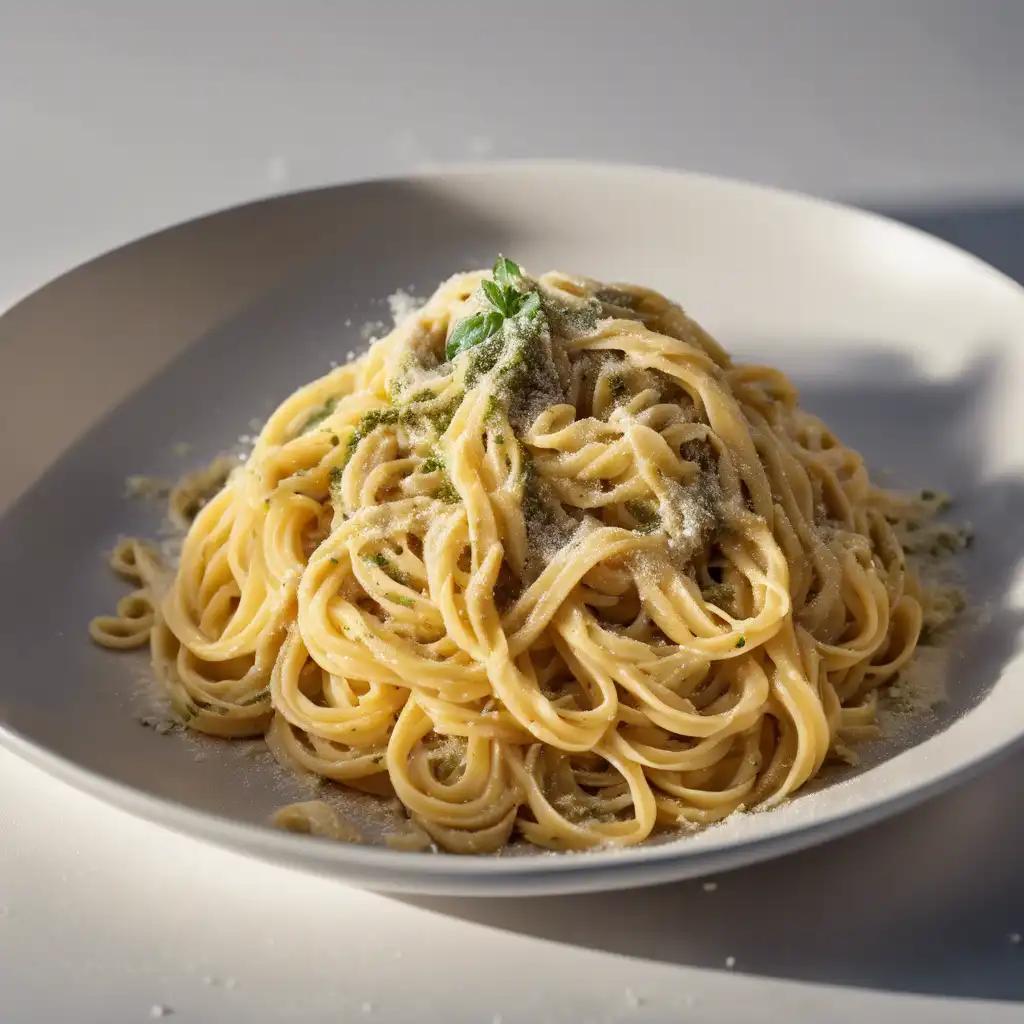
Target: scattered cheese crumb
[230,983]
[497,1019]
[922,686]
[730,962]
[156,1010]
[181,448]
[398,954]
[710,886]
[371,329]
[1015,938]
[402,304]
[632,999]
[367,1007]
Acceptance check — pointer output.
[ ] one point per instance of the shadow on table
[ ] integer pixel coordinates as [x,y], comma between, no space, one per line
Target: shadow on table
[928,903]
[902,907]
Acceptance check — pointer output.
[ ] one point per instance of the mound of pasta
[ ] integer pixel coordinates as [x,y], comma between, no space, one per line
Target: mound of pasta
[543,562]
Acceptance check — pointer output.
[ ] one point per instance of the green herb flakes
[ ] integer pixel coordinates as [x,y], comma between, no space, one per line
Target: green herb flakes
[317,417]
[617,386]
[256,698]
[645,513]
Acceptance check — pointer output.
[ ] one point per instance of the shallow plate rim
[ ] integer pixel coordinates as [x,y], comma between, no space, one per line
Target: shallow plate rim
[383,868]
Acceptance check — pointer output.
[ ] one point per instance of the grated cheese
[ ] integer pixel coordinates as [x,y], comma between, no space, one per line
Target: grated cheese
[922,685]
[402,304]
[370,331]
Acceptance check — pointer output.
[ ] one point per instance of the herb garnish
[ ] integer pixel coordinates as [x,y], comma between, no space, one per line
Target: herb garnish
[717,593]
[368,423]
[742,642]
[383,562]
[506,272]
[493,407]
[645,513]
[506,301]
[256,698]
[217,709]
[317,417]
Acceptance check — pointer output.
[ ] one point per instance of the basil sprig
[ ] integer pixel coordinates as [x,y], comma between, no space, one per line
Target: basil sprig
[506,300]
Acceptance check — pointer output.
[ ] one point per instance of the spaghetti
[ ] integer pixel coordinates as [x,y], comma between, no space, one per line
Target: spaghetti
[543,561]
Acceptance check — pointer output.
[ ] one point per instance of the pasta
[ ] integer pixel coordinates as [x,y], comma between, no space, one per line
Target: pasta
[543,562]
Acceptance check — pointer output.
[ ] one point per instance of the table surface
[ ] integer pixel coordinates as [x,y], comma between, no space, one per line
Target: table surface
[123,118]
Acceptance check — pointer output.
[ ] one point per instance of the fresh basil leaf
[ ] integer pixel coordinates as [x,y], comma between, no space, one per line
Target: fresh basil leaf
[468,332]
[495,296]
[506,273]
[530,305]
[472,331]
[494,320]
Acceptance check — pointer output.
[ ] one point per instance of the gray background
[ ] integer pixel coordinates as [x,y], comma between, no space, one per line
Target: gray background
[120,118]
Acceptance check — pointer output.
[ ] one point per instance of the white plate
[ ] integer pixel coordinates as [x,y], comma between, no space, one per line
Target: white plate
[912,350]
